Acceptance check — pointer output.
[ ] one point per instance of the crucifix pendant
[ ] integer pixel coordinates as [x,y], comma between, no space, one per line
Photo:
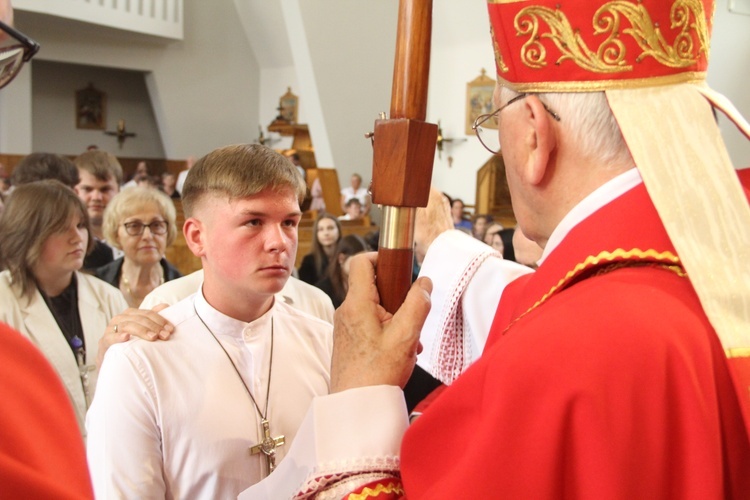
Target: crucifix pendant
[268,445]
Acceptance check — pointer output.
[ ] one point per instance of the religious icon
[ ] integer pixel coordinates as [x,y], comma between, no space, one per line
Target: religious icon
[90,108]
[288,105]
[479,101]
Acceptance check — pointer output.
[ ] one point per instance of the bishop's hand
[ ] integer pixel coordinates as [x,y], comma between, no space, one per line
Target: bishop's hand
[370,345]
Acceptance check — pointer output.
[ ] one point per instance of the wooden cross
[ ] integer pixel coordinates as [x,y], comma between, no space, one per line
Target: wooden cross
[268,445]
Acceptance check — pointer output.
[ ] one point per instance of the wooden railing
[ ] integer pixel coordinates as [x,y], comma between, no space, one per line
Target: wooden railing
[163,18]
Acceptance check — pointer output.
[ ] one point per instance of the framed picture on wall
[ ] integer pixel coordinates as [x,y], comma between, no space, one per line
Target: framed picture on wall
[91,108]
[479,100]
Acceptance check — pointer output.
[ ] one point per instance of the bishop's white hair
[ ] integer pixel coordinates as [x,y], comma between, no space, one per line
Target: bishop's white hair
[588,120]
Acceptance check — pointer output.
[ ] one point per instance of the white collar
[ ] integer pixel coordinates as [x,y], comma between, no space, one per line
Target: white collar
[604,194]
[221,324]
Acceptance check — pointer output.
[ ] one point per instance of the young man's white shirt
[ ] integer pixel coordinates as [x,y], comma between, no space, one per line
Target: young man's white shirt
[174,420]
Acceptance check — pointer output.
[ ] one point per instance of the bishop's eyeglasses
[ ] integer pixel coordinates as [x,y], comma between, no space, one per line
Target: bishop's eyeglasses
[489,136]
[12,56]
[136,228]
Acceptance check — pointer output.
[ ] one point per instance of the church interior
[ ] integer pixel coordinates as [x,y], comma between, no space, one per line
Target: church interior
[178,78]
[603,325]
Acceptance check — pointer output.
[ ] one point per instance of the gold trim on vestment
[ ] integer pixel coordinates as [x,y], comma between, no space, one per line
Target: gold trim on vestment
[387,489]
[738,352]
[601,85]
[666,260]
[507,1]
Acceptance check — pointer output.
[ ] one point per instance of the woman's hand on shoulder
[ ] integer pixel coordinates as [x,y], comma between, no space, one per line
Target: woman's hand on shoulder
[146,324]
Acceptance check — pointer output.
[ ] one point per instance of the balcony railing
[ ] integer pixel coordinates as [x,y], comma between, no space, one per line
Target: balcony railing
[162,18]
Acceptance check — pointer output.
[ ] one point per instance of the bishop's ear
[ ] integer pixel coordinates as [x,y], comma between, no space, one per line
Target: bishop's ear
[543,140]
[194,236]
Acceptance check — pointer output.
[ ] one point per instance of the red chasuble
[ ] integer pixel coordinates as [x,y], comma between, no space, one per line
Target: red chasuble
[41,450]
[601,379]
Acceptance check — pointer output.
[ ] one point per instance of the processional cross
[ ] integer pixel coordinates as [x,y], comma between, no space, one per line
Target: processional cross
[268,445]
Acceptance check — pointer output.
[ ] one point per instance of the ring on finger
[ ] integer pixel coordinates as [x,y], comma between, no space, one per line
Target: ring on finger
[115,328]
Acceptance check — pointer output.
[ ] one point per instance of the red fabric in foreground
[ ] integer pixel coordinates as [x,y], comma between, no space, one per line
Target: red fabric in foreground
[41,449]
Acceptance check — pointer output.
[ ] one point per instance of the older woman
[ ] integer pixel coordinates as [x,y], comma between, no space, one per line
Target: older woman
[140,222]
[44,237]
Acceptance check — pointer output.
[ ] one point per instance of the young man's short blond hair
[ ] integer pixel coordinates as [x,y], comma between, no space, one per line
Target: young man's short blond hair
[240,171]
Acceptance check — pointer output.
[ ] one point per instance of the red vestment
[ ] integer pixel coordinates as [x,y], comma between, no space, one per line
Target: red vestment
[601,378]
[41,449]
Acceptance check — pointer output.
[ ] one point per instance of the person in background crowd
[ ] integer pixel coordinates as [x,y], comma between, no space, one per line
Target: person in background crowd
[480,224]
[183,174]
[100,178]
[317,202]
[355,190]
[496,242]
[295,159]
[459,218]
[336,280]
[141,172]
[44,239]
[353,209]
[41,166]
[168,185]
[5,186]
[326,235]
[140,222]
[146,181]
[491,231]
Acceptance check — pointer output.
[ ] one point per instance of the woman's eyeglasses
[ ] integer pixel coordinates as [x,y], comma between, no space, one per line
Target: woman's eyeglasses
[136,228]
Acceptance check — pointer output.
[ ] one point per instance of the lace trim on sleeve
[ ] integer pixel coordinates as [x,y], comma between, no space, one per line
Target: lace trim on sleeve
[453,349]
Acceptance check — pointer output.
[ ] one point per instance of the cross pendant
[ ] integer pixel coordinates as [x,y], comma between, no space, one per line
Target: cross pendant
[268,445]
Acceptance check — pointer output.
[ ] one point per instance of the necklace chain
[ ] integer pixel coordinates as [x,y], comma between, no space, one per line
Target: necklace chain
[126,283]
[268,444]
[270,364]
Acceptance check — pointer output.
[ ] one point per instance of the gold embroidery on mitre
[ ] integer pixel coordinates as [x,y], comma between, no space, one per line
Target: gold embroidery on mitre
[380,489]
[666,260]
[610,56]
[498,55]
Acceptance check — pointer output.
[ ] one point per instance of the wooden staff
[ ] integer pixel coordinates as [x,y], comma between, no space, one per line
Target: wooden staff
[404,151]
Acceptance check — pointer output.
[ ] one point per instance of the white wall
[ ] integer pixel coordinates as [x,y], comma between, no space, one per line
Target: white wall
[15,114]
[461,48]
[204,90]
[53,114]
[351,45]
[729,73]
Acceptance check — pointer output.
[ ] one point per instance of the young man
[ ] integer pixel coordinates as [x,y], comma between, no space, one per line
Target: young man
[214,409]
[100,178]
[615,370]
